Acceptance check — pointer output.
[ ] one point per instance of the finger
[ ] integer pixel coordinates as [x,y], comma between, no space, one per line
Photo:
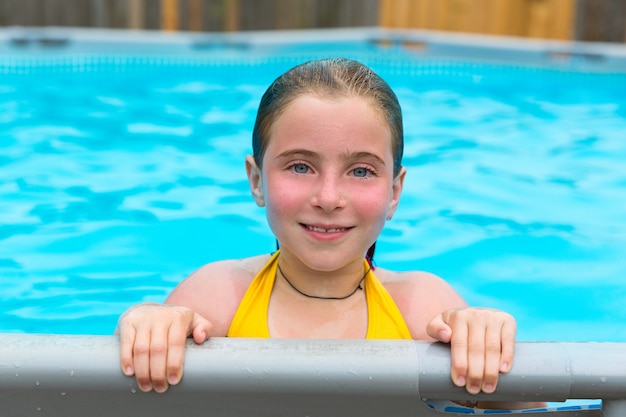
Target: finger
[141,359]
[509,330]
[201,329]
[438,329]
[176,350]
[493,348]
[458,351]
[158,358]
[475,355]
[127,342]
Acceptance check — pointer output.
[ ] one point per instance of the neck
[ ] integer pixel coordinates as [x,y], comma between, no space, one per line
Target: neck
[358,287]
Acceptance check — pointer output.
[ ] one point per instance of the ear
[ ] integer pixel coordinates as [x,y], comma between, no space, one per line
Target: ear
[396,191]
[254,179]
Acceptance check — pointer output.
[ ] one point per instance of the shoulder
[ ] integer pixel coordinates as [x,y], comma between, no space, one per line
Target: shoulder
[215,290]
[420,296]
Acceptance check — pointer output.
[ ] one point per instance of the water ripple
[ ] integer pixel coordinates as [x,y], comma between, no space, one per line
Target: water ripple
[119,187]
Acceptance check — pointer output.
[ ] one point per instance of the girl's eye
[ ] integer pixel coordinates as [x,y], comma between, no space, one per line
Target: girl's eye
[361,172]
[300,168]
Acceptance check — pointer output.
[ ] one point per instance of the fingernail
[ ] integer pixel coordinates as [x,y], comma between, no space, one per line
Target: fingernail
[145,387]
[460,381]
[173,379]
[160,388]
[473,389]
[504,367]
[443,335]
[488,388]
[128,371]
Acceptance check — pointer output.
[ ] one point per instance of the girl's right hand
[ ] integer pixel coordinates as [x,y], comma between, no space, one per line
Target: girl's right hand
[152,342]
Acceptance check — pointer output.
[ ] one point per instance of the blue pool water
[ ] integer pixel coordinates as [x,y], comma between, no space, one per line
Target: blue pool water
[121,174]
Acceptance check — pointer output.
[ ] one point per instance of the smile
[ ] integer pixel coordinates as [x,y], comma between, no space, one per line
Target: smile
[322,230]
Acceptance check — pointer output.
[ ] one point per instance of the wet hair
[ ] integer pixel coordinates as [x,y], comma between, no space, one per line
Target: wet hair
[332,77]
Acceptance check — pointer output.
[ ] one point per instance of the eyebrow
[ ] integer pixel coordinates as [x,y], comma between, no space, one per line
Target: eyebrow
[297,152]
[315,155]
[364,155]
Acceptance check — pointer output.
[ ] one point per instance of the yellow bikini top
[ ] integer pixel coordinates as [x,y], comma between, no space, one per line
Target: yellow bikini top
[384,319]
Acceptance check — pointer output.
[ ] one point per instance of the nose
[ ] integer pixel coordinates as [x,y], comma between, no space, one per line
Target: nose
[329,193]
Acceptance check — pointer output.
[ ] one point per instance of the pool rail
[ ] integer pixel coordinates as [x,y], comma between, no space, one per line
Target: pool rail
[77,375]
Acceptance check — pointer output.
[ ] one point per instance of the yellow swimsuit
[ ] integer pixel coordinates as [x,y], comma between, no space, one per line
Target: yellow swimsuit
[384,319]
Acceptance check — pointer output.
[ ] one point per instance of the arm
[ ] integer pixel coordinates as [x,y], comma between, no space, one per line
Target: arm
[482,341]
[152,342]
[482,344]
[153,336]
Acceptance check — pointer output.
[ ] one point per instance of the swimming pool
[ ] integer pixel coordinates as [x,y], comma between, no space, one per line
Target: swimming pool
[121,171]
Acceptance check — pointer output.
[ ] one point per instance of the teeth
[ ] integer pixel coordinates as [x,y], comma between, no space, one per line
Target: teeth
[319,229]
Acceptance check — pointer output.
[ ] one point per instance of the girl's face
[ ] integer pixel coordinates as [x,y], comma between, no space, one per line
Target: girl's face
[327,180]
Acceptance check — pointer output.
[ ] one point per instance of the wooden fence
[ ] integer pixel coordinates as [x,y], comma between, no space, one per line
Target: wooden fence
[552,19]
[591,20]
[192,15]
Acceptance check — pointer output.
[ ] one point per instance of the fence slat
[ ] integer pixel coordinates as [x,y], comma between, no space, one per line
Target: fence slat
[169,15]
[136,14]
[194,15]
[231,15]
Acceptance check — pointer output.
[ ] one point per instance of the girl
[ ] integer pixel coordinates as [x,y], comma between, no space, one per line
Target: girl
[326,165]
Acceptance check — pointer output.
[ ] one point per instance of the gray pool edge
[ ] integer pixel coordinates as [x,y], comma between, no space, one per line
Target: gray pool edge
[599,56]
[67,375]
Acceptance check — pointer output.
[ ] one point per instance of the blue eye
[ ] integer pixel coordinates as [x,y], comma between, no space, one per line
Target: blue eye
[300,168]
[360,172]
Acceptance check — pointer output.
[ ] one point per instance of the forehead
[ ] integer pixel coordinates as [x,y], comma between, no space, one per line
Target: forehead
[324,111]
[330,125]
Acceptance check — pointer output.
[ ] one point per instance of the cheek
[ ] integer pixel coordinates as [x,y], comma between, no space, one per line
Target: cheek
[282,198]
[373,205]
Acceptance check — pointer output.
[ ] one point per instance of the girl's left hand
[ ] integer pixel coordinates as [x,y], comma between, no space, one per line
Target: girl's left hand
[482,343]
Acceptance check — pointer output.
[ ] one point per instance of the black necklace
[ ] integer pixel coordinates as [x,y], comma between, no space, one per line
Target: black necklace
[358,287]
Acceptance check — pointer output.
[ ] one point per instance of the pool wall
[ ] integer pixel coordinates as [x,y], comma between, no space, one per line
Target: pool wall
[50,375]
[54,40]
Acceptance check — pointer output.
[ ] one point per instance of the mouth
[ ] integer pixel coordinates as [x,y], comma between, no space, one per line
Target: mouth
[326,230]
